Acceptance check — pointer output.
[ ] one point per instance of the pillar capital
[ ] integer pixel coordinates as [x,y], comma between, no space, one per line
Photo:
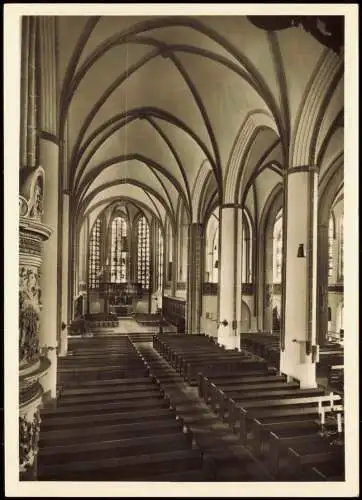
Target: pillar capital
[231,205]
[302,168]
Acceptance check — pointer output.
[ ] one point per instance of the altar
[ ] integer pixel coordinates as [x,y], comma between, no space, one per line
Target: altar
[120,298]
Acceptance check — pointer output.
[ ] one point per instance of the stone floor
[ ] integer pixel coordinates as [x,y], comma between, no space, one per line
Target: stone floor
[129,325]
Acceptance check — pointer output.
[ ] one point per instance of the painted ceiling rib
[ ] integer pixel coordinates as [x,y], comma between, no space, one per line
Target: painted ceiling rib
[159,114]
[204,114]
[147,162]
[72,65]
[332,129]
[323,108]
[149,25]
[155,206]
[174,154]
[114,200]
[283,88]
[81,206]
[81,166]
[161,47]
[122,78]
[163,187]
[116,83]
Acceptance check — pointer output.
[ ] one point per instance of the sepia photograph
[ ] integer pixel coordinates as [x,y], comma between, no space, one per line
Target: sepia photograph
[181,207]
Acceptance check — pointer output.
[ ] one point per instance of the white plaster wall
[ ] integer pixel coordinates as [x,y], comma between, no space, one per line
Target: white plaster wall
[208,325]
[334,301]
[181,294]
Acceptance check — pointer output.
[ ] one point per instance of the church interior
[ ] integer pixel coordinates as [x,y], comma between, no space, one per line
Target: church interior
[181,249]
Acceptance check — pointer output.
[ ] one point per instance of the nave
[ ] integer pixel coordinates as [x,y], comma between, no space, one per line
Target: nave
[185,249]
[150,416]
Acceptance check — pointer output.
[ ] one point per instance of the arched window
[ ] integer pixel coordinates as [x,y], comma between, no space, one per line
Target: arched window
[94,264]
[247,249]
[143,252]
[211,256]
[278,247]
[330,246]
[119,250]
[160,251]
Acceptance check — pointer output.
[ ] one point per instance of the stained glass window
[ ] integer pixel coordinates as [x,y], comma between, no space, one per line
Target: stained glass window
[143,252]
[119,250]
[160,260]
[94,255]
[278,248]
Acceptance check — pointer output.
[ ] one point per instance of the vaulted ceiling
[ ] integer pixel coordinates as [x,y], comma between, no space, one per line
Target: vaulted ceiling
[146,102]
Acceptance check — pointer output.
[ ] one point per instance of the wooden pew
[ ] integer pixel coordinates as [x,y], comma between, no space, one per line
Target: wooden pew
[305,404]
[283,438]
[125,412]
[313,452]
[260,416]
[74,375]
[97,385]
[184,357]
[261,427]
[109,389]
[132,402]
[130,468]
[221,394]
[234,379]
[336,377]
[120,447]
[332,470]
[110,430]
[220,365]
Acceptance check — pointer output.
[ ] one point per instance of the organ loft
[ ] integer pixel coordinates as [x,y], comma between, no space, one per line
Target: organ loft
[182,248]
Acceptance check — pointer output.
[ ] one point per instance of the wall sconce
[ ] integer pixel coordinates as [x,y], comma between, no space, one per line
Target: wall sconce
[301,252]
[224,322]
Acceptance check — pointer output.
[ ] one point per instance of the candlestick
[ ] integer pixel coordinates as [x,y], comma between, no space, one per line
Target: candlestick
[331,399]
[339,423]
[322,416]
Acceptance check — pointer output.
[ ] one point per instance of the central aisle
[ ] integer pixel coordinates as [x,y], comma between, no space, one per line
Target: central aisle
[233,461]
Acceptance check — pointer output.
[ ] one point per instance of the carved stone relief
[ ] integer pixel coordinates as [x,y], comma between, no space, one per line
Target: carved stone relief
[31,201]
[29,313]
[36,201]
[28,440]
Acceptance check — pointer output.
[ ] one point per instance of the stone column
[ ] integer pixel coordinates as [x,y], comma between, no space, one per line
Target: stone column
[174,264]
[194,279]
[298,336]
[48,153]
[65,314]
[48,158]
[322,299]
[229,317]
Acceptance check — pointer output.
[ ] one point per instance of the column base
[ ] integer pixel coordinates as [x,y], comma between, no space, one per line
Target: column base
[227,338]
[49,380]
[30,474]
